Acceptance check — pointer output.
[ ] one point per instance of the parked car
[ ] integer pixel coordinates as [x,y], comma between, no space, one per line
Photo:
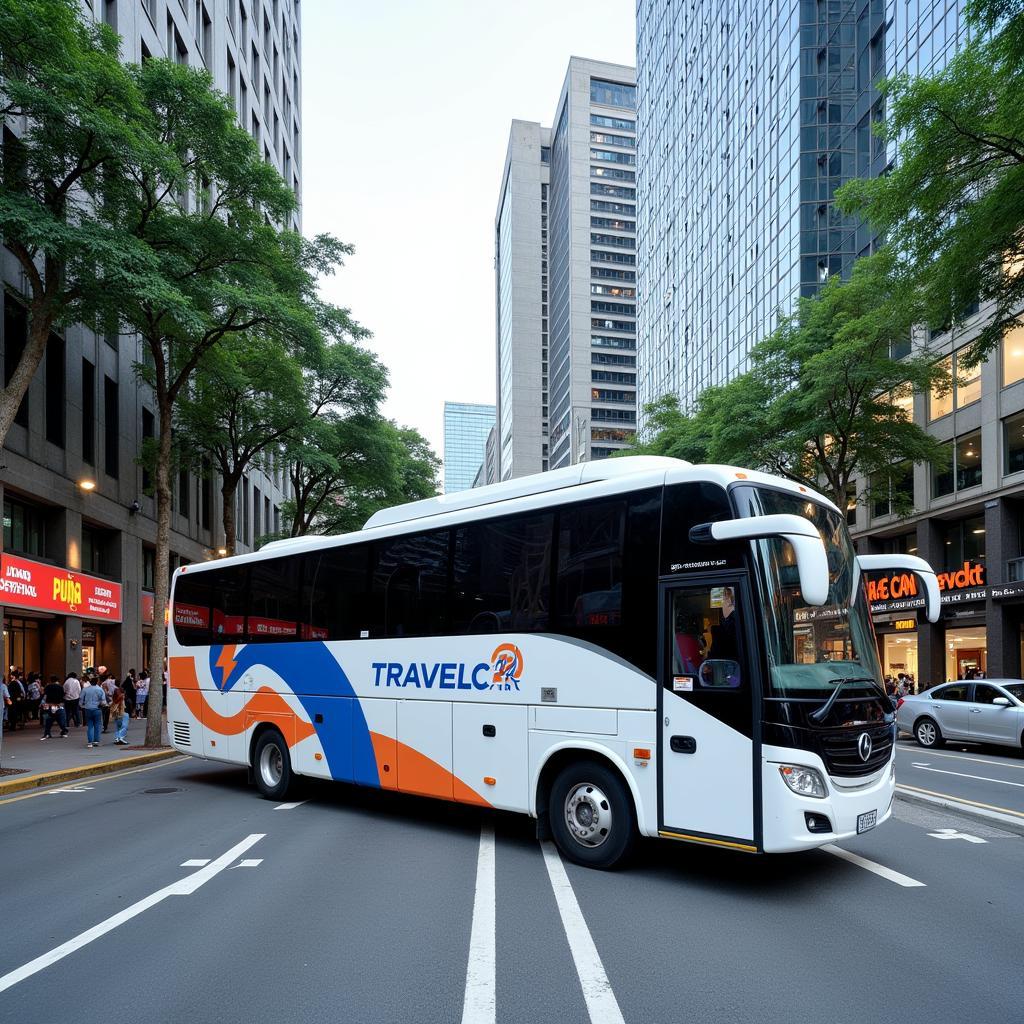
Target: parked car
[985,711]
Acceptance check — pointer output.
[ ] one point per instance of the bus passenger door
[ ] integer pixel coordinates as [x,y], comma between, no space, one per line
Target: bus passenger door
[707,712]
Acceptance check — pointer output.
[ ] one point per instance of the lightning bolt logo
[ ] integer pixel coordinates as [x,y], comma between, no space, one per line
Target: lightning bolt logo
[226,663]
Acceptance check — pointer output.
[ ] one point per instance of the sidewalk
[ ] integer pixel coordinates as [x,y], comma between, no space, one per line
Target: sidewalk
[26,762]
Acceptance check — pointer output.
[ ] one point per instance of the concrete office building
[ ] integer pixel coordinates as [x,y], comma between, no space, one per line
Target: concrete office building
[749,121]
[466,426]
[78,565]
[566,279]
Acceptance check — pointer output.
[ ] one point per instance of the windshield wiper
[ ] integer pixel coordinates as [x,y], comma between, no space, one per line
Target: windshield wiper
[820,715]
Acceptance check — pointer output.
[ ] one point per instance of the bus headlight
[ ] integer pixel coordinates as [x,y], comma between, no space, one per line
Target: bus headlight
[802,780]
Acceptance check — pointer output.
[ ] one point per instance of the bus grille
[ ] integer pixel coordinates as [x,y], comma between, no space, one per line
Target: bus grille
[182,735]
[842,750]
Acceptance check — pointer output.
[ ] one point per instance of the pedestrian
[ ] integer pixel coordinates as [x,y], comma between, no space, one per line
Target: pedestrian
[35,695]
[16,695]
[5,703]
[72,695]
[129,692]
[92,701]
[142,694]
[119,713]
[109,685]
[53,709]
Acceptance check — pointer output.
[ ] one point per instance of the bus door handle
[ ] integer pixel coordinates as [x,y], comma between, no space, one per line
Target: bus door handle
[683,744]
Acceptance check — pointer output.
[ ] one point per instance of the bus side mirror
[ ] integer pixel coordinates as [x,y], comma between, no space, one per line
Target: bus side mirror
[802,535]
[911,563]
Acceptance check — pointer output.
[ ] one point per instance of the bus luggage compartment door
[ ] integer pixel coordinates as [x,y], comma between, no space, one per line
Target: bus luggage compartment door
[490,753]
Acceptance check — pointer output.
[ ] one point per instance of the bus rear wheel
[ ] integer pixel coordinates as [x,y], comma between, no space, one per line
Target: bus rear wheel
[272,766]
[591,815]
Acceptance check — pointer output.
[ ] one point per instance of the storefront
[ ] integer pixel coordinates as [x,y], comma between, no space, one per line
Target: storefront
[41,602]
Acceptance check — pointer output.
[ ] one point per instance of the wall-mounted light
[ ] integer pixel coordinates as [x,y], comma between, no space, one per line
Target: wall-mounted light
[222,552]
[87,484]
[134,507]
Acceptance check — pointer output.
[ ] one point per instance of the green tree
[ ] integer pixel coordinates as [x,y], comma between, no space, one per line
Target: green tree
[953,205]
[820,403]
[79,122]
[253,393]
[209,215]
[345,469]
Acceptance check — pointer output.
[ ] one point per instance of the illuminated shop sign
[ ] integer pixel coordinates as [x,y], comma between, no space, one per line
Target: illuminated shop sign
[903,590]
[27,584]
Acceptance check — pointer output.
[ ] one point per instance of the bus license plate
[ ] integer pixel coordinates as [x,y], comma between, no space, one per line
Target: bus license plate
[866,821]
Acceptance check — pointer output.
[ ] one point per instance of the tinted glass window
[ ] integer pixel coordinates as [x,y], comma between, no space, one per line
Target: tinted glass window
[589,588]
[687,505]
[638,642]
[502,575]
[193,596]
[273,600]
[410,579]
[335,591]
[951,693]
[228,604]
[986,694]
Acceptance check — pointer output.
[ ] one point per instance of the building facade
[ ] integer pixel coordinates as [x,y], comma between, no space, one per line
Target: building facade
[749,120]
[79,528]
[565,263]
[466,426]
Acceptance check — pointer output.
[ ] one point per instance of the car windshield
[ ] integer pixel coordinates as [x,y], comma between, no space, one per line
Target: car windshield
[1014,689]
[811,649]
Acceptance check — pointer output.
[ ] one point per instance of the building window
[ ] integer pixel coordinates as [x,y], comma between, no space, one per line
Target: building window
[55,396]
[111,429]
[88,412]
[148,427]
[1013,355]
[206,494]
[15,337]
[183,493]
[95,546]
[892,491]
[24,528]
[1013,443]
[148,568]
[964,541]
[964,391]
[612,94]
[960,466]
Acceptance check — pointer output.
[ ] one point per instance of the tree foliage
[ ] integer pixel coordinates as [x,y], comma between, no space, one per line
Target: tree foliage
[953,205]
[820,403]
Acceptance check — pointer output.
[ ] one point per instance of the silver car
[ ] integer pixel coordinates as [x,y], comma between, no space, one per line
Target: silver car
[983,711]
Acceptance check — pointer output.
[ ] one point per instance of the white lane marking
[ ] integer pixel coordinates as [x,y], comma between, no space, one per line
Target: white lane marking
[951,833]
[70,789]
[183,887]
[289,807]
[964,775]
[197,862]
[478,1004]
[963,757]
[248,864]
[879,869]
[597,990]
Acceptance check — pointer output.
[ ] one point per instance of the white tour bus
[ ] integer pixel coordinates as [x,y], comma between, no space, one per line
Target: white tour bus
[635,646]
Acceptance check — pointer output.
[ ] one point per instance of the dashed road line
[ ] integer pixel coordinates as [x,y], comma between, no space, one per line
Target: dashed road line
[96,779]
[964,775]
[183,887]
[478,1003]
[878,869]
[290,806]
[602,1005]
[196,862]
[961,757]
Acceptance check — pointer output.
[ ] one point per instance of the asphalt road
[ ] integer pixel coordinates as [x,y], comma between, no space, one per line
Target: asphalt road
[359,906]
[990,775]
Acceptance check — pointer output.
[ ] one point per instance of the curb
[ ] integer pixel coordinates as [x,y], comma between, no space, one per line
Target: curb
[966,808]
[84,771]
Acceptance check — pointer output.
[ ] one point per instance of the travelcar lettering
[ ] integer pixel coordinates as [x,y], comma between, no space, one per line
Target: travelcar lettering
[502,672]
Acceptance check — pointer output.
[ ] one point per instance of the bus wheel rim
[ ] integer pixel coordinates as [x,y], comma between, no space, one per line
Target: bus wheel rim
[588,814]
[271,764]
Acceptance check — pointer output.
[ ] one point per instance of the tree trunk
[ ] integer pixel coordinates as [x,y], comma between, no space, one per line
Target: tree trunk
[161,581]
[228,490]
[31,357]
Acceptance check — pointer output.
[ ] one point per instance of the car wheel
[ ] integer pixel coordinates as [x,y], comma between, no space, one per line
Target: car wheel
[591,814]
[272,766]
[927,733]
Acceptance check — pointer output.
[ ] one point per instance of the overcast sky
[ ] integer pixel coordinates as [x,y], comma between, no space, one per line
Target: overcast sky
[406,112]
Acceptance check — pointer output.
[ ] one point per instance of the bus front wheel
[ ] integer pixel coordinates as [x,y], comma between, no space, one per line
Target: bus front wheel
[591,815]
[272,766]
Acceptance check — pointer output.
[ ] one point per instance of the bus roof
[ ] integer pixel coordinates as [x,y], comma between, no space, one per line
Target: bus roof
[641,470]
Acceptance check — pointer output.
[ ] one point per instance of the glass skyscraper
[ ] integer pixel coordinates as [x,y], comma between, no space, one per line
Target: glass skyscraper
[750,116]
[466,427]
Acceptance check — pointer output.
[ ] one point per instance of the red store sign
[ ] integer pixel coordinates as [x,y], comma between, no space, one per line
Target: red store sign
[26,584]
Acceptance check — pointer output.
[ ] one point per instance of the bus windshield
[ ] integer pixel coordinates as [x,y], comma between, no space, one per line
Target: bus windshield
[810,649]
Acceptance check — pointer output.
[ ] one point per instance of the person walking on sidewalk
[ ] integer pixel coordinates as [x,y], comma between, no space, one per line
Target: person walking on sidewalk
[72,694]
[16,692]
[35,695]
[129,692]
[92,700]
[53,709]
[5,703]
[119,714]
[109,685]
[142,694]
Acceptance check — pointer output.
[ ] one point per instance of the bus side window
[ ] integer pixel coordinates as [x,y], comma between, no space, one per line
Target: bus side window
[228,604]
[335,594]
[273,599]
[410,584]
[193,595]
[501,575]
